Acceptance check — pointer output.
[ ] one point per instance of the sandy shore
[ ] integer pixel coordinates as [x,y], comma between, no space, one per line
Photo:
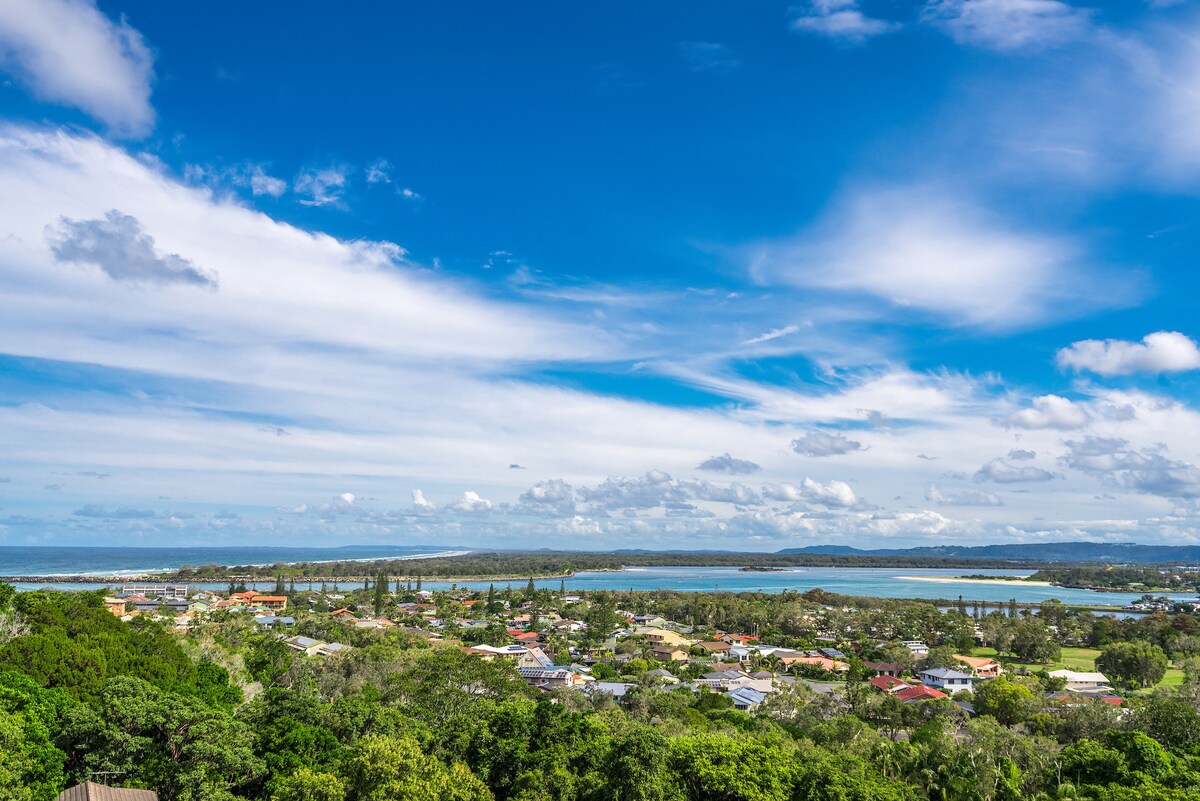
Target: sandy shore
[947,580]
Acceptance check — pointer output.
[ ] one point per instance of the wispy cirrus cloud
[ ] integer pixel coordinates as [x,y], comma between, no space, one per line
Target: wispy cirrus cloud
[927,249]
[1008,24]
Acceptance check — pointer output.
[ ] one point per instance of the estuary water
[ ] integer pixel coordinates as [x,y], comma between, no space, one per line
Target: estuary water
[876,582]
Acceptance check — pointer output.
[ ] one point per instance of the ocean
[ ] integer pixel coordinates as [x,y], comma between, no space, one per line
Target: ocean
[22,560]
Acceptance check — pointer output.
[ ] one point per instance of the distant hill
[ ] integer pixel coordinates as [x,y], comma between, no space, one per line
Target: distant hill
[1109,552]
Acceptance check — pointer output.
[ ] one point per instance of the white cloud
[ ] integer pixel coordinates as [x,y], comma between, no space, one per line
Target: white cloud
[821,443]
[68,52]
[263,184]
[1147,470]
[1160,352]
[1050,411]
[962,497]
[379,172]
[841,20]
[470,503]
[832,493]
[925,249]
[1001,472]
[321,187]
[774,333]
[727,464]
[1008,24]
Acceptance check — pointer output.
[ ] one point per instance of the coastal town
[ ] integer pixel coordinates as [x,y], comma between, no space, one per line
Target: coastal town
[557,642]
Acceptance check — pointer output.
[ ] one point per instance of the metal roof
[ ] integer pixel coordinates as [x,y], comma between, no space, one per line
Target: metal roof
[90,791]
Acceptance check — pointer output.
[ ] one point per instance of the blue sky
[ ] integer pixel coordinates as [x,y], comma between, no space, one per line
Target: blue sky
[642,275]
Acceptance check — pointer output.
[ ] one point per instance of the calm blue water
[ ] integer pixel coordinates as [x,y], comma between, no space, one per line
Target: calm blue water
[871,582]
[19,560]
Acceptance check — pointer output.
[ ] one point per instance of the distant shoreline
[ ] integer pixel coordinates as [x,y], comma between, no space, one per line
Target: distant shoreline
[950,580]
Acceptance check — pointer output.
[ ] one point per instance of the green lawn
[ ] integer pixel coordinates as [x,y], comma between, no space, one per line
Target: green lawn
[1079,659]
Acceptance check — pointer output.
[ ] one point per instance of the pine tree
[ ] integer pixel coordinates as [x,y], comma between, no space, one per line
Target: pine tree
[562,587]
[380,590]
[418,583]
[291,586]
[491,596]
[279,584]
[530,589]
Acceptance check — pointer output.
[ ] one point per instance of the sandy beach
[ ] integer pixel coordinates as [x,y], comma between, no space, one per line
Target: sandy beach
[948,580]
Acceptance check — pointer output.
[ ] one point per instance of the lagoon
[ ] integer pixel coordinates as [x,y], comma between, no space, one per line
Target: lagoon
[902,582]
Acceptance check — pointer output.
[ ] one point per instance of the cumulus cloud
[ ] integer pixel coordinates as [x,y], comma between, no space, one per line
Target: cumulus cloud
[822,443]
[320,187]
[832,493]
[962,497]
[1160,352]
[1148,470]
[841,20]
[1020,454]
[118,246]
[727,464]
[470,503]
[1049,411]
[548,497]
[1008,24]
[931,250]
[1001,472]
[68,52]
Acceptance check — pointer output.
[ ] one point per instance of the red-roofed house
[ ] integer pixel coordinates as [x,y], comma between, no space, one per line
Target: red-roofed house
[918,693]
[889,684]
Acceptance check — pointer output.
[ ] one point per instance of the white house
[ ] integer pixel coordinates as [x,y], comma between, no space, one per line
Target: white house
[947,680]
[1081,682]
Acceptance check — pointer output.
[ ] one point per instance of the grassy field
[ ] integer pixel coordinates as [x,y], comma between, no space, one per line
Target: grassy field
[1082,660]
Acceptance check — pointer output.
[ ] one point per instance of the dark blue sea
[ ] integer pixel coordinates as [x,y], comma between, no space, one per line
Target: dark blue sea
[22,560]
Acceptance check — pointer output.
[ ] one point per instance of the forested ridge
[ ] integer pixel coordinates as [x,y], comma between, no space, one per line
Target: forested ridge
[522,564]
[226,711]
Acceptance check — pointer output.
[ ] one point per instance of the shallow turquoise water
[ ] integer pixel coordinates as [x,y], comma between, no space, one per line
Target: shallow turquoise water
[872,582]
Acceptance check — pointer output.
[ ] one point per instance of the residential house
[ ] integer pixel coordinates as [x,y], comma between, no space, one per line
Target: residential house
[668,653]
[90,791]
[1082,682]
[662,637]
[276,603]
[982,667]
[271,621]
[718,648]
[884,668]
[918,648]
[746,698]
[918,692]
[888,684]
[115,605]
[616,689]
[550,678]
[824,662]
[947,679]
[305,645]
[331,648]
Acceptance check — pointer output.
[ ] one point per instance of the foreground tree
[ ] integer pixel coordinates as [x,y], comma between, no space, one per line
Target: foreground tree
[1133,664]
